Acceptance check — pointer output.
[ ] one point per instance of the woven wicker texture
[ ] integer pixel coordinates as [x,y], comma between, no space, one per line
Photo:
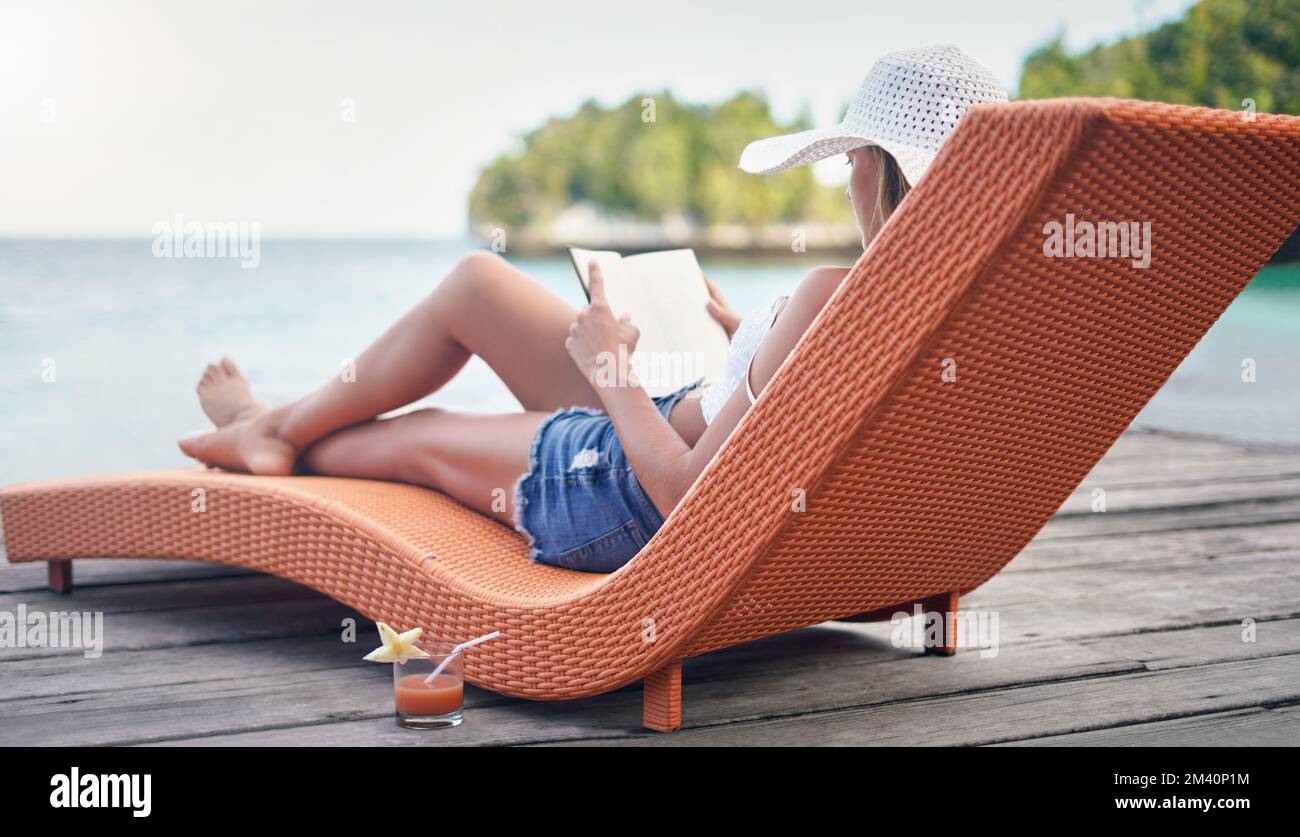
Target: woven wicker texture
[944,482]
[662,698]
[914,486]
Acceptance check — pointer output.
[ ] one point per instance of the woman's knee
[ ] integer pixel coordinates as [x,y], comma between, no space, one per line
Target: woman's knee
[481,260]
[477,289]
[476,270]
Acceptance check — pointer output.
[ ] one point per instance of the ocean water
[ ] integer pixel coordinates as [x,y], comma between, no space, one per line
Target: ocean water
[101,343]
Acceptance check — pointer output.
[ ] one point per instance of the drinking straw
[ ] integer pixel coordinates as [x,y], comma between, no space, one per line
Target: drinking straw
[457,650]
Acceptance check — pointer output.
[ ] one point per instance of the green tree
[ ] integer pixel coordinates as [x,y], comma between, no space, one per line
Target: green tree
[1219,53]
[682,160]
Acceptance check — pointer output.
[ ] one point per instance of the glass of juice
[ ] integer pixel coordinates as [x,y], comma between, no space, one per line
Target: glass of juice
[425,704]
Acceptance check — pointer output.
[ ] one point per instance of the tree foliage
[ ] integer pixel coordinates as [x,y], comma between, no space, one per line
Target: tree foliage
[1219,53]
[682,161]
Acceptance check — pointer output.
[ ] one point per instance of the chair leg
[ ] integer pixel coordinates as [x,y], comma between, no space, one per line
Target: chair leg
[945,604]
[662,698]
[58,575]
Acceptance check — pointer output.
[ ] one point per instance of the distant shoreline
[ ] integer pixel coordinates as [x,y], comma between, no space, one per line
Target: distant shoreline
[627,235]
[1288,253]
[545,250]
[592,231]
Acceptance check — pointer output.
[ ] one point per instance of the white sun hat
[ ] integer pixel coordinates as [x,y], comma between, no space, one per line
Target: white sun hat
[908,104]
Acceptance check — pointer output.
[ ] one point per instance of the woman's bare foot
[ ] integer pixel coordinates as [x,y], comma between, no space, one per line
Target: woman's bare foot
[245,444]
[224,394]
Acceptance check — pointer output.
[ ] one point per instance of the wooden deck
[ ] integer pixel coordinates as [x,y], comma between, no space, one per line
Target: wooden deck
[1122,627]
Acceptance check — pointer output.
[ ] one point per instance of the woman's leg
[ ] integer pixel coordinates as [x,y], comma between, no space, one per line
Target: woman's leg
[483,307]
[474,458]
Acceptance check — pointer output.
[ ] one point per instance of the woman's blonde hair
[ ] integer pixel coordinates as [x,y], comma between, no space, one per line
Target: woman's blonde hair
[892,185]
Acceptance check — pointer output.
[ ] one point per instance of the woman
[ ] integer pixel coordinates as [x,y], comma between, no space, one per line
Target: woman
[595,468]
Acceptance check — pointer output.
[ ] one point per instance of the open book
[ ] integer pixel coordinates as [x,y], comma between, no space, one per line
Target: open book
[665,295]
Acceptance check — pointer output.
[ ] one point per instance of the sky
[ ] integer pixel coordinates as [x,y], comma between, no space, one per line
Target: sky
[373,119]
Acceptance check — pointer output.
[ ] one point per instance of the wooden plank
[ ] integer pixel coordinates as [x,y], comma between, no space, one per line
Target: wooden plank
[1076,601]
[1047,555]
[602,719]
[126,714]
[155,629]
[1230,514]
[1034,612]
[743,684]
[73,674]
[1173,473]
[1255,727]
[93,572]
[1164,650]
[1174,467]
[1127,598]
[1190,497]
[1149,444]
[148,714]
[171,595]
[826,656]
[1021,712]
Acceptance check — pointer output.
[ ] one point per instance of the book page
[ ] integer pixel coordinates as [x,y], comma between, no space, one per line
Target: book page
[665,295]
[607,259]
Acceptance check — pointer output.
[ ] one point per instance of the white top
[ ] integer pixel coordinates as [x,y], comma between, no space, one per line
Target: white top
[744,343]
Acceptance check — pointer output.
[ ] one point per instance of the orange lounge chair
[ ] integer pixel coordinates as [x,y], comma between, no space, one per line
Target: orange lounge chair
[864,479]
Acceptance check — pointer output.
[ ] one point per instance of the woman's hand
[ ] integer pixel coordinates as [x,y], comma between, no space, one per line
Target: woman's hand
[597,335]
[720,310]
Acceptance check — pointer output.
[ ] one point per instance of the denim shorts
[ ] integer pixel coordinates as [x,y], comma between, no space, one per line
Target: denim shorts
[580,504]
